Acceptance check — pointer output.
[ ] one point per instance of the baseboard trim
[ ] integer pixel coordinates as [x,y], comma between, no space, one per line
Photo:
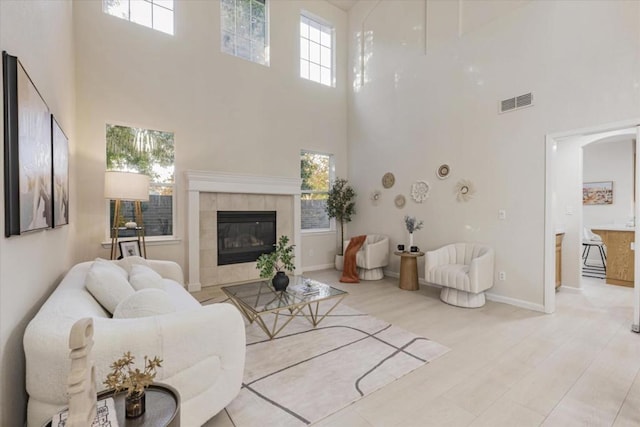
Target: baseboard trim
[194,287]
[318,267]
[515,302]
[569,289]
[491,297]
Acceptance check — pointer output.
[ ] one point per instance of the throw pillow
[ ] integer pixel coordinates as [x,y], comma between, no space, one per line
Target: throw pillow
[107,285]
[146,302]
[113,266]
[144,277]
[127,263]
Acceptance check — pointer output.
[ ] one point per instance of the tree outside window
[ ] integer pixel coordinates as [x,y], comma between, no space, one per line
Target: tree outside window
[148,152]
[316,171]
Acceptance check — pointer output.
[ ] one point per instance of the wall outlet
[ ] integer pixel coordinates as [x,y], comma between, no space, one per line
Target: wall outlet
[502,275]
[502,214]
[311,252]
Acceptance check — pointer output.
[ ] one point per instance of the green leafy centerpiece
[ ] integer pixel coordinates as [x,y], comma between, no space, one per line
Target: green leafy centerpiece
[278,261]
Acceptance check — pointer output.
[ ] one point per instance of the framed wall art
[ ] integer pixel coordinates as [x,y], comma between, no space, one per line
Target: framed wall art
[60,184]
[597,193]
[27,152]
[129,248]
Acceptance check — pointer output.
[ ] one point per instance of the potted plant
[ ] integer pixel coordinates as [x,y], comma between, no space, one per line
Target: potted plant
[340,205]
[135,381]
[279,260]
[412,225]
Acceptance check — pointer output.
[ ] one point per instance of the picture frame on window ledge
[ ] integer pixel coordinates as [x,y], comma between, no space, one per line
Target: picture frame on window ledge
[129,248]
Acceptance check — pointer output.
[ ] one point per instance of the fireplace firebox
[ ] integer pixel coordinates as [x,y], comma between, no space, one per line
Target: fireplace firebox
[245,235]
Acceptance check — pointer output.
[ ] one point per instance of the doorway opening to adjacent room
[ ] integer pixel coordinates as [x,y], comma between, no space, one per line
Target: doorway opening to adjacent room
[564,202]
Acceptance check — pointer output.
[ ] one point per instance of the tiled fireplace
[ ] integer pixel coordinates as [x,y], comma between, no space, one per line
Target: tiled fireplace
[214,194]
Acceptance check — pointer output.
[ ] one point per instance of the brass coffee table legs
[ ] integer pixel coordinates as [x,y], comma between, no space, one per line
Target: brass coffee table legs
[313,315]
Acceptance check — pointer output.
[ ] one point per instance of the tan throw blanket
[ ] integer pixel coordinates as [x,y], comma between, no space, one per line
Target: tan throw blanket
[350,271]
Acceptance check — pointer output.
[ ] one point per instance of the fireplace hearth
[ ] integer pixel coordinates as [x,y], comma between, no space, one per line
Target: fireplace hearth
[245,235]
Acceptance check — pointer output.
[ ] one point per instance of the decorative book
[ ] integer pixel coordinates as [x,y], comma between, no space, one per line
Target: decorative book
[105,415]
[309,287]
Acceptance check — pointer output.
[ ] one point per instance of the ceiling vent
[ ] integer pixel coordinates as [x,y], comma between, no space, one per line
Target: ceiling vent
[516,102]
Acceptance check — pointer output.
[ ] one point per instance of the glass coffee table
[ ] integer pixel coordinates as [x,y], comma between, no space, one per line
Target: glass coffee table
[302,297]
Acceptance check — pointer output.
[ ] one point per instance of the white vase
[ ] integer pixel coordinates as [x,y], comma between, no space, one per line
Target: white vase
[410,242]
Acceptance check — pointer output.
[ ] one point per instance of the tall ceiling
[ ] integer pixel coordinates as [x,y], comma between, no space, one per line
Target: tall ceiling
[343,4]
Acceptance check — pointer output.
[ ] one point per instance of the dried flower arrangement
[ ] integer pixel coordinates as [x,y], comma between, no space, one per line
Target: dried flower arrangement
[412,224]
[134,381]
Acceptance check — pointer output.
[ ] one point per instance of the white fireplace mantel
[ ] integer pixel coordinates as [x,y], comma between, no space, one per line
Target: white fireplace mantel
[222,182]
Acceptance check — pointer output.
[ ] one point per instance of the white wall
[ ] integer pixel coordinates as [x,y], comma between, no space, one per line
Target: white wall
[417,111]
[228,114]
[39,33]
[568,194]
[610,161]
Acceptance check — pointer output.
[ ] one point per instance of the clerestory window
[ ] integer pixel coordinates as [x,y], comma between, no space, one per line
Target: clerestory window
[156,14]
[244,26]
[316,50]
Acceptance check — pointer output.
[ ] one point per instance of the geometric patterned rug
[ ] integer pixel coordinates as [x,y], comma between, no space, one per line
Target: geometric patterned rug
[306,374]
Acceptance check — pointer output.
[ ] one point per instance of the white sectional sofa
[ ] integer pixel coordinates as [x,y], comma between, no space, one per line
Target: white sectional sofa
[203,347]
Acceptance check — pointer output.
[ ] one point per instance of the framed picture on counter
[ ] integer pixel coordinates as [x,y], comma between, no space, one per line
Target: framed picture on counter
[597,193]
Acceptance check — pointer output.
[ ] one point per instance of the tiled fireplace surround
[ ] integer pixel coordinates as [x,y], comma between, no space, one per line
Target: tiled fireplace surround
[209,192]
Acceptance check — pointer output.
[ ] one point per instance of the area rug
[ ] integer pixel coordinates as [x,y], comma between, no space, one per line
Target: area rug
[306,374]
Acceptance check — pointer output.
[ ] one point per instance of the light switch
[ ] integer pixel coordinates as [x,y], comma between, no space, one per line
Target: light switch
[569,210]
[502,214]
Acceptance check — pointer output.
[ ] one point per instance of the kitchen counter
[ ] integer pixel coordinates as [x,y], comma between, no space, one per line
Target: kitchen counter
[612,227]
[620,263]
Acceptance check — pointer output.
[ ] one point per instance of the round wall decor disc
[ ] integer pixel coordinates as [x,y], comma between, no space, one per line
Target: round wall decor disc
[443,171]
[399,201]
[388,180]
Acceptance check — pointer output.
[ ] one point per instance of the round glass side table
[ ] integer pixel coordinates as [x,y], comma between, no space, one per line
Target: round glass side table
[162,407]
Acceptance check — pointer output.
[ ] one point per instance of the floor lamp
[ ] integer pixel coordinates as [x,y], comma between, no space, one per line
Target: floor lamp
[126,186]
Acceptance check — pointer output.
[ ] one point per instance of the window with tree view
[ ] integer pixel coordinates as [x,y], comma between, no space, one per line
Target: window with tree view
[317,172]
[150,152]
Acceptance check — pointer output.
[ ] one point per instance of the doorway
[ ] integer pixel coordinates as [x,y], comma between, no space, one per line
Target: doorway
[554,170]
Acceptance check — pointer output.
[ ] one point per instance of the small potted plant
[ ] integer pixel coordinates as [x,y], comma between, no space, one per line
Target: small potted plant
[278,261]
[124,377]
[340,205]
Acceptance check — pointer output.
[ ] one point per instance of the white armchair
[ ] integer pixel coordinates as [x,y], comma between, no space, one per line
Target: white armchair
[372,257]
[464,270]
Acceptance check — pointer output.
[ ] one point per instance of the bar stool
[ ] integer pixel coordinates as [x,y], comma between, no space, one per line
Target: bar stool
[590,240]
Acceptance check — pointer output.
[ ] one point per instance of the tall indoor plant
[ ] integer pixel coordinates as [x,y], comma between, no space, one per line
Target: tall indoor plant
[341,206]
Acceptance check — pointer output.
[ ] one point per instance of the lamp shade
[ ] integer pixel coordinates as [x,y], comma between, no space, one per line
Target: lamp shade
[126,186]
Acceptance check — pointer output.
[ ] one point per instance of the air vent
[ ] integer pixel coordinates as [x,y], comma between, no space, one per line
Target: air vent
[516,102]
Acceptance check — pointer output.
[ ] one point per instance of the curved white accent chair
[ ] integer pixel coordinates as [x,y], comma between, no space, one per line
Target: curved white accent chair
[372,257]
[464,270]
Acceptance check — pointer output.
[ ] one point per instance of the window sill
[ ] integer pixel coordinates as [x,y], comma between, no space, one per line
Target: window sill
[323,232]
[149,241]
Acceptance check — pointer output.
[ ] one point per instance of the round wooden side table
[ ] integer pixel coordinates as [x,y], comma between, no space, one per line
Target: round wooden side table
[162,407]
[409,270]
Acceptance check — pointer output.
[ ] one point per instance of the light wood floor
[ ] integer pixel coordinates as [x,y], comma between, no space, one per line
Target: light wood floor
[508,366]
